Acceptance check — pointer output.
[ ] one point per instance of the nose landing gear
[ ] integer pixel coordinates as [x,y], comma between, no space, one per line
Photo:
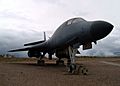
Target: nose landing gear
[77,69]
[71,65]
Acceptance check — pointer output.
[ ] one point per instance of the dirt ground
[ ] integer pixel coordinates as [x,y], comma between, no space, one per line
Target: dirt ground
[29,74]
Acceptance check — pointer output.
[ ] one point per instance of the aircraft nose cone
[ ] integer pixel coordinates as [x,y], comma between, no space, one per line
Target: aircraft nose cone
[100,29]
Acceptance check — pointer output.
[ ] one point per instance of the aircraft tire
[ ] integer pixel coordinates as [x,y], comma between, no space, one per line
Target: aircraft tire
[72,68]
[60,62]
[40,62]
[84,71]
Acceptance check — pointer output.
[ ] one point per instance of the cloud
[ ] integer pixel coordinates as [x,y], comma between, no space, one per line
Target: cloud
[23,21]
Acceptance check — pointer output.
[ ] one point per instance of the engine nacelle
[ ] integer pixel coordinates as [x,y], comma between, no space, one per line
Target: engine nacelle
[62,53]
[36,54]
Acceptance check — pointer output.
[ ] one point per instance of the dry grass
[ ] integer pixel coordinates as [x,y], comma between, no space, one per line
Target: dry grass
[16,59]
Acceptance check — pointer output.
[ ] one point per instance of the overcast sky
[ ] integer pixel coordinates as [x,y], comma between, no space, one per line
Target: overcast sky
[23,21]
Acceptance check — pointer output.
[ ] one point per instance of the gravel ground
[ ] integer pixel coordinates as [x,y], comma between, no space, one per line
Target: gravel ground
[30,74]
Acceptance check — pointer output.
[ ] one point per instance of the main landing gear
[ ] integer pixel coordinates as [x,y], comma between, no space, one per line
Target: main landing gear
[72,67]
[60,62]
[40,61]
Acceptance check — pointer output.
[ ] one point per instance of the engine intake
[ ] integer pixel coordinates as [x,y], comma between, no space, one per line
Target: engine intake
[62,53]
[36,54]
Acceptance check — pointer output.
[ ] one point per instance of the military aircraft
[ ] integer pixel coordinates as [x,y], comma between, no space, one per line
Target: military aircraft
[66,40]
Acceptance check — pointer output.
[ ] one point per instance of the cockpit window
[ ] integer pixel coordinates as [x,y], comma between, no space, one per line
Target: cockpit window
[75,20]
[69,22]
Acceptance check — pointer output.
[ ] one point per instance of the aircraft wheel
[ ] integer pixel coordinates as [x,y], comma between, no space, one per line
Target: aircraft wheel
[83,70]
[72,68]
[40,62]
[60,62]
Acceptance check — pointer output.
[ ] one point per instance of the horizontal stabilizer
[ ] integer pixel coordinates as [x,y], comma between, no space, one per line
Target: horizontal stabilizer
[33,43]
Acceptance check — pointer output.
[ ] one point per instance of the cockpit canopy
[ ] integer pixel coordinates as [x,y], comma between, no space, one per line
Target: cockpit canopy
[74,20]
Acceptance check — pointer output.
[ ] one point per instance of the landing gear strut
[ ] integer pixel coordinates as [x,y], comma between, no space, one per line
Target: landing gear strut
[40,61]
[71,66]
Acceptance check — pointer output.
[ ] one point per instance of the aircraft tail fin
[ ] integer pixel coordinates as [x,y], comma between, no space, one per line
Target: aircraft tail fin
[44,36]
[37,42]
